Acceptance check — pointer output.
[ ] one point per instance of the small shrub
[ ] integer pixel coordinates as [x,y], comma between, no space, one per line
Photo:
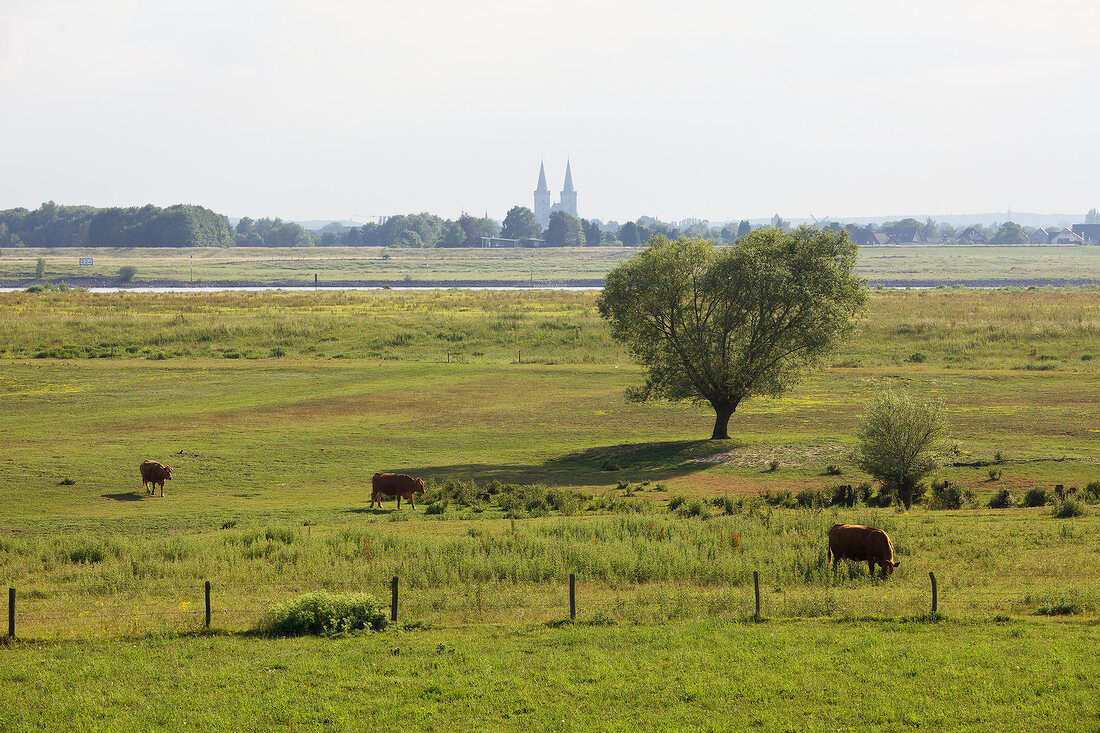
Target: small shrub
[811,498]
[832,470]
[994,474]
[1063,606]
[1037,496]
[773,465]
[1091,492]
[35,289]
[696,508]
[610,465]
[40,268]
[1086,357]
[917,358]
[947,495]
[126,273]
[1001,500]
[675,503]
[435,508]
[1069,508]
[780,498]
[66,481]
[324,613]
[998,457]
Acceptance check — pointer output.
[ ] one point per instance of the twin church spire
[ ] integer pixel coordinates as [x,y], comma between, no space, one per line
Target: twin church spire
[567,202]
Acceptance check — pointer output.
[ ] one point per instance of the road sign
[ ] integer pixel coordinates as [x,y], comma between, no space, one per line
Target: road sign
[85,260]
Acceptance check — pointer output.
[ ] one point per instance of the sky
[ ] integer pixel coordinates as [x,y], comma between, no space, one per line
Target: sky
[318,109]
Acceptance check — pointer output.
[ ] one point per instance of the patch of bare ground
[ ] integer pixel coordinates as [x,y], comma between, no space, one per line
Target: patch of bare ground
[762,456]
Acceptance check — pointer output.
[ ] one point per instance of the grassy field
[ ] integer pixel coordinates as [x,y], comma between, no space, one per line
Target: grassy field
[276,408]
[551,263]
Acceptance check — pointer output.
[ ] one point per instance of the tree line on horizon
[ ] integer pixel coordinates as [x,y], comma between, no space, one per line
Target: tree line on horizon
[183,225]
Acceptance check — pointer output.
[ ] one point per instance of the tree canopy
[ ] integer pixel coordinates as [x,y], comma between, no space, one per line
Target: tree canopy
[720,325]
[520,223]
[52,225]
[565,230]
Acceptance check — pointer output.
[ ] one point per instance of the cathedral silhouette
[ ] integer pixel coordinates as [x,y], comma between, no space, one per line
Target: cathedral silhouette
[567,203]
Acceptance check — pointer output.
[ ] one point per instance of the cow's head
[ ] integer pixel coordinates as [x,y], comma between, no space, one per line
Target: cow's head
[890,565]
[168,472]
[419,486]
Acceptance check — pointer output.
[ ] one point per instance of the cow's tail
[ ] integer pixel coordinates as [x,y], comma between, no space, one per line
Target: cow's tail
[829,555]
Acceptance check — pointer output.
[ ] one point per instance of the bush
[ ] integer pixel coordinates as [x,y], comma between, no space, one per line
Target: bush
[1001,500]
[324,613]
[1037,496]
[1091,492]
[126,273]
[1069,508]
[773,465]
[40,268]
[949,496]
[435,508]
[66,481]
[780,498]
[832,470]
[1063,606]
[675,503]
[812,498]
[994,474]
[917,358]
[697,508]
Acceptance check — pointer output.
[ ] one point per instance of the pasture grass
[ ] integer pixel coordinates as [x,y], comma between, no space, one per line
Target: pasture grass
[710,674]
[902,263]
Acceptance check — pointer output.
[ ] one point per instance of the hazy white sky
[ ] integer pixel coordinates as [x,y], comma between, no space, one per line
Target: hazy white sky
[315,109]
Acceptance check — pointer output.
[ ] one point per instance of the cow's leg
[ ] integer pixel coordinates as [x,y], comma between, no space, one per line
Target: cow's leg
[871,567]
[399,501]
[413,505]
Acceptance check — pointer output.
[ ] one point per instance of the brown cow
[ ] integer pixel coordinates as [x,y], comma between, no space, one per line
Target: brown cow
[395,484]
[857,542]
[154,473]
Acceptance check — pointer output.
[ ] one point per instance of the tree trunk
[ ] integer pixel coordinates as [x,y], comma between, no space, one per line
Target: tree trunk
[906,496]
[722,414]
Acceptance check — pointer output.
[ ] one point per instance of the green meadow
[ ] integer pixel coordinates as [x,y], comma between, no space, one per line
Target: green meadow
[902,263]
[274,410]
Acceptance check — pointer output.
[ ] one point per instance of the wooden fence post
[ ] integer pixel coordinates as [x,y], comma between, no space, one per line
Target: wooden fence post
[11,613]
[208,604]
[756,587]
[932,576]
[572,597]
[393,599]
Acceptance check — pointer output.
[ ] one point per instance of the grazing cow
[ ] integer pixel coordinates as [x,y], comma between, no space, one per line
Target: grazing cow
[153,473]
[395,484]
[857,542]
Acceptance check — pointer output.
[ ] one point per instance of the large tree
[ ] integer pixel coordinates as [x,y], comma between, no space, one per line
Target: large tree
[520,223]
[721,325]
[564,230]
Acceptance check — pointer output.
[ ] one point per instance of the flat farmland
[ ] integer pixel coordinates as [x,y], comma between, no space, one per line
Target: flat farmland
[275,409]
[896,264]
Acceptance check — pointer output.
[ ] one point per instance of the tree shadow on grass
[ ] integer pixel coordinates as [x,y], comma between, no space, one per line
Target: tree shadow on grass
[125,496]
[651,461]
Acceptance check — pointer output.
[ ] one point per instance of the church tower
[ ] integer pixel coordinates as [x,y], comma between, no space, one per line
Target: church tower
[568,193]
[542,199]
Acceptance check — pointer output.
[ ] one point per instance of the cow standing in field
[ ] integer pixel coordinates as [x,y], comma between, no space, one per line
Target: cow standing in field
[395,484]
[860,543]
[153,473]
